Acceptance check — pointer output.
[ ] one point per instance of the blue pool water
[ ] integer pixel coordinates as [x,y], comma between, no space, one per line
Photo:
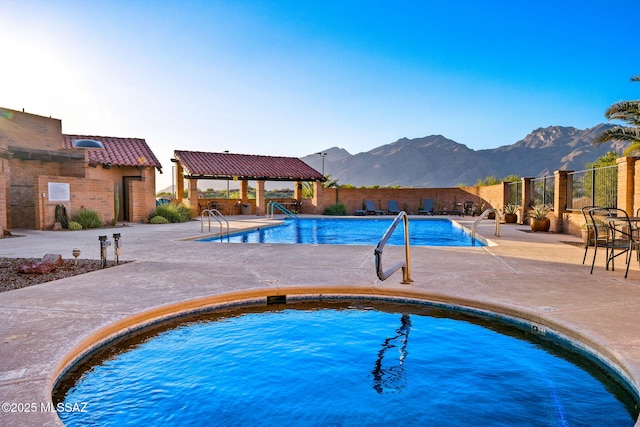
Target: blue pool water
[365,364]
[350,231]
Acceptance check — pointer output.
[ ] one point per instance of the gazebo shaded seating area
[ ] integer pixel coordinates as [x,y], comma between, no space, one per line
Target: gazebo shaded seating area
[199,165]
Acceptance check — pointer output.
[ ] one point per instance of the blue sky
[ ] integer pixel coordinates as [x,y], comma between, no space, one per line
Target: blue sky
[290,78]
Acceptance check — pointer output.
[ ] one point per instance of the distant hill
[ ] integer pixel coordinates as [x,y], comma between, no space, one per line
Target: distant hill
[435,161]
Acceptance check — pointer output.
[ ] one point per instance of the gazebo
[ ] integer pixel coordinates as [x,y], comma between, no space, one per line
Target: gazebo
[195,165]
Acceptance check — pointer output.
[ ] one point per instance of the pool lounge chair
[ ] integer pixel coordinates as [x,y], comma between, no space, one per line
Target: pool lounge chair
[427,207]
[370,208]
[392,207]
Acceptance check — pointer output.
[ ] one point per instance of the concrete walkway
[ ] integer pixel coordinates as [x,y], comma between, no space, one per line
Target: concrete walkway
[532,276]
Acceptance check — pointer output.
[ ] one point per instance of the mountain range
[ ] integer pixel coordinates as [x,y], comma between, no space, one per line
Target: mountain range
[435,161]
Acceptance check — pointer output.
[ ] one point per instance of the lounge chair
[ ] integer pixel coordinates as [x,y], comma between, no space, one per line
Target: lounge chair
[392,207]
[469,208]
[427,207]
[370,208]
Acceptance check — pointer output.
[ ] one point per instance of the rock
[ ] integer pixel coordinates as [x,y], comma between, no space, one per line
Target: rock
[47,264]
[53,259]
[57,226]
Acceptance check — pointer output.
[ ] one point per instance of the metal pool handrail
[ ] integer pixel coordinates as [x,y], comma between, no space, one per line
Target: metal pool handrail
[482,216]
[406,265]
[213,213]
[271,206]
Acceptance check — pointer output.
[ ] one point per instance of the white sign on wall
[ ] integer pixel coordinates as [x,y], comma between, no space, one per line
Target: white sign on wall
[59,192]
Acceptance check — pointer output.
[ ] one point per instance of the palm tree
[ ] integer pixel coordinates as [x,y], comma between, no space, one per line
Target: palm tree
[628,112]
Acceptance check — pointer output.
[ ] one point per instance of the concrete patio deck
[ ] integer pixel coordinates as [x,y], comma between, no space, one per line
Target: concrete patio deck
[534,276]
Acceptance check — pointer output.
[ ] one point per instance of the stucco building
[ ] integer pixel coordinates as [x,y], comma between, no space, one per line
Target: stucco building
[40,167]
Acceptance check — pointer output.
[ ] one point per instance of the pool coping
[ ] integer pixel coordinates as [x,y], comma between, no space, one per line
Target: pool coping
[534,277]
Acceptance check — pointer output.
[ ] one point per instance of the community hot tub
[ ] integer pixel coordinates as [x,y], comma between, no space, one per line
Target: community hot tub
[339,359]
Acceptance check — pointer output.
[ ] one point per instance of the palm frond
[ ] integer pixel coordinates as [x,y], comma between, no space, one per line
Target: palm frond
[618,133]
[627,111]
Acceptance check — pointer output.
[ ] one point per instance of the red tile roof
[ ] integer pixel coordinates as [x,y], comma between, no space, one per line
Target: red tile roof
[198,164]
[118,151]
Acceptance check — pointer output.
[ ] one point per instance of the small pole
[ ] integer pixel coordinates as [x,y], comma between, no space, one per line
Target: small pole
[103,250]
[117,248]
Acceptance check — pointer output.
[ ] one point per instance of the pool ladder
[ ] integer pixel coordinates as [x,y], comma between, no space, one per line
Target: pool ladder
[215,214]
[482,216]
[406,265]
[272,206]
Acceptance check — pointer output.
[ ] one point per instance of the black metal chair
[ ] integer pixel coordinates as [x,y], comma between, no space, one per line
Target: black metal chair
[589,239]
[469,208]
[596,218]
[620,236]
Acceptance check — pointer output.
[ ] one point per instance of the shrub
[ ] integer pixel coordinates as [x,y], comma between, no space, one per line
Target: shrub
[75,225]
[172,212]
[337,209]
[88,218]
[159,220]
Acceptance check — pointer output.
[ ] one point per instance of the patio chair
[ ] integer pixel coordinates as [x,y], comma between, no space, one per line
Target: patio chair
[427,207]
[469,208]
[624,237]
[392,207]
[589,237]
[370,208]
[614,227]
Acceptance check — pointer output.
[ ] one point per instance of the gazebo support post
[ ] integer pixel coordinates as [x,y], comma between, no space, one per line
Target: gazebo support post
[244,191]
[261,209]
[193,197]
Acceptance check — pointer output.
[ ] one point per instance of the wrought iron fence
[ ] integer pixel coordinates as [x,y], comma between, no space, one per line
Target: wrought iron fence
[592,187]
[514,193]
[542,191]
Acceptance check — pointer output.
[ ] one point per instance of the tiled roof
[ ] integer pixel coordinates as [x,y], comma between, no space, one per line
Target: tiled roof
[118,151]
[198,164]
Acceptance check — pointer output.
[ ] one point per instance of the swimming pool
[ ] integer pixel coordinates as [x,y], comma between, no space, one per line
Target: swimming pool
[352,231]
[345,363]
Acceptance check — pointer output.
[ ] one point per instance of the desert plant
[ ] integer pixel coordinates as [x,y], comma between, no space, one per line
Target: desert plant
[337,209]
[116,203]
[88,218]
[61,215]
[159,220]
[539,212]
[173,212]
[75,225]
[510,209]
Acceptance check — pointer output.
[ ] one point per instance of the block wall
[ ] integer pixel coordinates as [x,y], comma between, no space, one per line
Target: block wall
[30,131]
[88,193]
[409,199]
[142,200]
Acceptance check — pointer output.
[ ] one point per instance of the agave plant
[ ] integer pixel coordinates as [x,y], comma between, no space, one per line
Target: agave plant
[510,209]
[539,212]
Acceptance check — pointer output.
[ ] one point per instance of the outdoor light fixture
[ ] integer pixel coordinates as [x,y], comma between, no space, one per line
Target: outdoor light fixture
[118,246]
[323,155]
[87,143]
[103,250]
[76,253]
